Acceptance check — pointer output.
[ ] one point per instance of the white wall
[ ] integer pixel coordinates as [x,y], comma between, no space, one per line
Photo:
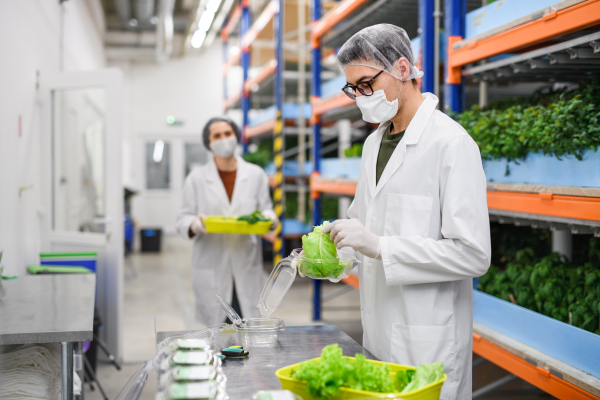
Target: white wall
[189,88]
[30,42]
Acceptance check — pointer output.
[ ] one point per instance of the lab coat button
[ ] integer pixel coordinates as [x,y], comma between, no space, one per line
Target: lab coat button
[369,311]
[370,266]
[373,220]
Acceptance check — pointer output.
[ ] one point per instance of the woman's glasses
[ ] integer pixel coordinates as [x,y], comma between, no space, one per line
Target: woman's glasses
[364,88]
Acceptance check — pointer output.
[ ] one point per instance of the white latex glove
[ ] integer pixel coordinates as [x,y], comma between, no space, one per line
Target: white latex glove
[295,262]
[197,226]
[270,214]
[351,232]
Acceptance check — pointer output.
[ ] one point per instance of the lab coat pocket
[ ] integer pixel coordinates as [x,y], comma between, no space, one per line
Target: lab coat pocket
[407,215]
[415,345]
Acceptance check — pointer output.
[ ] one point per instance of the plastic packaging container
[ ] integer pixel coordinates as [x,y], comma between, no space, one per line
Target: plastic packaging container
[428,392]
[222,224]
[275,395]
[200,373]
[253,331]
[193,391]
[333,271]
[283,275]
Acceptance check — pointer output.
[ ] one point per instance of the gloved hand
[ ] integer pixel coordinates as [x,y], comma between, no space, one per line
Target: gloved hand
[351,232]
[197,226]
[295,262]
[270,214]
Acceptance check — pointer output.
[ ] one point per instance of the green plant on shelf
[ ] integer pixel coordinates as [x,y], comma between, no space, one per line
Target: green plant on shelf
[354,151]
[551,285]
[555,123]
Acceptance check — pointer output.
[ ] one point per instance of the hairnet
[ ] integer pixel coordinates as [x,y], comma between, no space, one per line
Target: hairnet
[206,131]
[379,46]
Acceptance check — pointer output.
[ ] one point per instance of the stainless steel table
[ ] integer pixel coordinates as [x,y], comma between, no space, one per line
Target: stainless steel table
[49,309]
[296,344]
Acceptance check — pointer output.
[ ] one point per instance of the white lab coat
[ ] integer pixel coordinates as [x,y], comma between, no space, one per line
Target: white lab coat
[430,210]
[218,259]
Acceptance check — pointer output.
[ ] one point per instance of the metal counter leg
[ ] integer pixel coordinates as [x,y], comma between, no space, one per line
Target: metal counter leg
[78,367]
[67,370]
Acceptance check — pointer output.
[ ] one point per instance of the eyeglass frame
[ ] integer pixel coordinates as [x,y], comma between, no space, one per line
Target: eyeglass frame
[356,88]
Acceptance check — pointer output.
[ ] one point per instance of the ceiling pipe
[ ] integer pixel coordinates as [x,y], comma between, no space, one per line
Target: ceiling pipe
[144,11]
[164,31]
[123,11]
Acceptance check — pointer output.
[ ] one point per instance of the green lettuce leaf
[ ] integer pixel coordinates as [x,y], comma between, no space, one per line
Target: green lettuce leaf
[424,375]
[318,246]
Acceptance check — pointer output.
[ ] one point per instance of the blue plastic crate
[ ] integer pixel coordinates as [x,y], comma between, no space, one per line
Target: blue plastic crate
[500,13]
[540,169]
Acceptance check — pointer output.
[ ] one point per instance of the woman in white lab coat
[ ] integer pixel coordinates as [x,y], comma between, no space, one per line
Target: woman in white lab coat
[419,217]
[224,264]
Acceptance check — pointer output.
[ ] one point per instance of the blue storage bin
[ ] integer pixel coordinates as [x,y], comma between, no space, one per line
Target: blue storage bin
[541,169]
[566,343]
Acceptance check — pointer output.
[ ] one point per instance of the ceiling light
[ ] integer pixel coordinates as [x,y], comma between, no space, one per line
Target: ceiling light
[159,146]
[234,50]
[198,38]
[133,22]
[205,20]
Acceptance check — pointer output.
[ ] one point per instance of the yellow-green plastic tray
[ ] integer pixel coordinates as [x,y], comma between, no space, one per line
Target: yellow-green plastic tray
[429,392]
[220,224]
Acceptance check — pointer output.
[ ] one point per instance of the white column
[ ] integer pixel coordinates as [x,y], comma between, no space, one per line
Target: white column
[562,243]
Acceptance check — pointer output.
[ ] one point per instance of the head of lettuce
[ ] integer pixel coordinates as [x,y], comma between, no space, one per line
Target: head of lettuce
[320,259]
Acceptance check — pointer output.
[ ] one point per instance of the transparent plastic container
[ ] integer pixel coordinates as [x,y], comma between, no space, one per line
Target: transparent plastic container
[332,270]
[253,331]
[283,275]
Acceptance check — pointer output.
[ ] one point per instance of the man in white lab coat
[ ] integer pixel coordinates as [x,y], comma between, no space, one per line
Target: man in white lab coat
[419,216]
[226,264]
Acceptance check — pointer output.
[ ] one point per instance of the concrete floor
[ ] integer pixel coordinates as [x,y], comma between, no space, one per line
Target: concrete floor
[158,292]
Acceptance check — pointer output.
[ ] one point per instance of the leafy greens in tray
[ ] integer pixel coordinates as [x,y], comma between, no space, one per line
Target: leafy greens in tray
[326,376]
[320,255]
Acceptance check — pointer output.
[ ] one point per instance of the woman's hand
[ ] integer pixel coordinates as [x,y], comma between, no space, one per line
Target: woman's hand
[270,214]
[197,227]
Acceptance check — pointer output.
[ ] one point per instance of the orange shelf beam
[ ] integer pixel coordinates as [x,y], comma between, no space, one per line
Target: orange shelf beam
[535,375]
[236,15]
[587,208]
[322,106]
[318,185]
[352,280]
[259,129]
[571,19]
[259,24]
[270,69]
[231,101]
[345,9]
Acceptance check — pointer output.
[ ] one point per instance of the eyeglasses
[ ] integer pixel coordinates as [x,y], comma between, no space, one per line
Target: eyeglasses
[364,88]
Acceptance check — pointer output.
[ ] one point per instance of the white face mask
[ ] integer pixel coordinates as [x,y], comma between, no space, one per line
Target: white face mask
[224,148]
[376,108]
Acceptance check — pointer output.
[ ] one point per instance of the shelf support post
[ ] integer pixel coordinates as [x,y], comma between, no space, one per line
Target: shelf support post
[245,24]
[278,135]
[427,33]
[316,142]
[454,22]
